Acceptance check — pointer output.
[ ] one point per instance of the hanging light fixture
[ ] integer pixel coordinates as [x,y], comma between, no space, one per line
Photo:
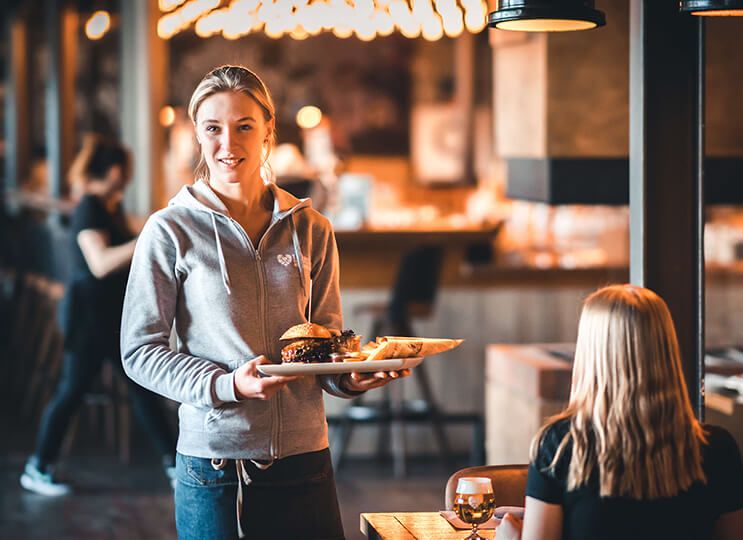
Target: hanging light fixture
[712,8]
[546,15]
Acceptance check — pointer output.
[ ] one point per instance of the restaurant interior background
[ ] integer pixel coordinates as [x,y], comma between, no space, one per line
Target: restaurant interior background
[509,151]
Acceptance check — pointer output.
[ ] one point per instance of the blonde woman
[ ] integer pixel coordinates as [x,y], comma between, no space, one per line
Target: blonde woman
[228,264]
[627,458]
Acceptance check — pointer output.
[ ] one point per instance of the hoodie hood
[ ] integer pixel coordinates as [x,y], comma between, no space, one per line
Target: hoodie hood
[202,198]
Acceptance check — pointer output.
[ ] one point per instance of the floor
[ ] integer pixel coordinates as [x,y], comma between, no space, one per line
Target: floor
[113,501]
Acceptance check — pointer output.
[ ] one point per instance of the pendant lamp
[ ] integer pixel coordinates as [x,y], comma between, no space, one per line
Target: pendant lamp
[546,15]
[712,8]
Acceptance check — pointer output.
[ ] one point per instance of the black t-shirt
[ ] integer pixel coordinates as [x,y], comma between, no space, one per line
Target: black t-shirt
[92,308]
[688,515]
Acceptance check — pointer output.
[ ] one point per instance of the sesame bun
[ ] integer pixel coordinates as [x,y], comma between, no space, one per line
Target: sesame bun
[305,331]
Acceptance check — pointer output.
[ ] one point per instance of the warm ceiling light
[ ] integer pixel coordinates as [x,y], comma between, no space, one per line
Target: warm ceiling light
[309,117]
[167,116]
[546,15]
[97,25]
[712,8]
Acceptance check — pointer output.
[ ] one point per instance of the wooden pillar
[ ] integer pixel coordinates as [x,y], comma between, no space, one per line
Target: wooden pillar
[464,96]
[61,25]
[17,111]
[144,63]
[666,225]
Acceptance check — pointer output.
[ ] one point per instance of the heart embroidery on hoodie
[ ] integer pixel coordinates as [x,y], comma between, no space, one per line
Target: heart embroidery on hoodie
[284,260]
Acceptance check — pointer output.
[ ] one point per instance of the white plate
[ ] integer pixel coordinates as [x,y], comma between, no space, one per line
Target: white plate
[332,368]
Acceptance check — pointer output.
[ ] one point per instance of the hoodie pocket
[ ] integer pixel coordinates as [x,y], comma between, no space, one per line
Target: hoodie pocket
[236,418]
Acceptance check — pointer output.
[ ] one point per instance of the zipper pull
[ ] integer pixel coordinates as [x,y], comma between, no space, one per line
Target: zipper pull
[258,255]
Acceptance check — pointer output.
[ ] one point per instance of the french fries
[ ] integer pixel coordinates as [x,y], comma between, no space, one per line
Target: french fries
[386,347]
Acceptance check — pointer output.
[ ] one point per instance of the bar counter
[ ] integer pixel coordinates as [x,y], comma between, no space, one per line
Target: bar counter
[491,303]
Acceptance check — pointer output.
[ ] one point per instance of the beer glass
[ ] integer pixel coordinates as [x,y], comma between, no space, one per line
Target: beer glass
[474,502]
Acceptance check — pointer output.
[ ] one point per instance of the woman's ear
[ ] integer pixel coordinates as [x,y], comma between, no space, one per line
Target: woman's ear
[270,126]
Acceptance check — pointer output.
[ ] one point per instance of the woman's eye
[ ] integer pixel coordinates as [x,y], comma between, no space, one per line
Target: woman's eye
[245,127]
[211,129]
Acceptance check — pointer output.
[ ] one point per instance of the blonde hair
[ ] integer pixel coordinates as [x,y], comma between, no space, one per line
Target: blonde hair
[630,416]
[233,79]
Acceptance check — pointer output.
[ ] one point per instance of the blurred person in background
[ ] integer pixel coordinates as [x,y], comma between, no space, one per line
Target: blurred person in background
[627,458]
[101,250]
[231,264]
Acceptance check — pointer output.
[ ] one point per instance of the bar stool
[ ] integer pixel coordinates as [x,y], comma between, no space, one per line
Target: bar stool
[413,297]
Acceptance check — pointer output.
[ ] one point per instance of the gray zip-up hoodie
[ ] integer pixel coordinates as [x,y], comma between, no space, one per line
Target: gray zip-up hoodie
[196,268]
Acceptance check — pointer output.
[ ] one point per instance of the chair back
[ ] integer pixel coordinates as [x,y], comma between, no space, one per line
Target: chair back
[509,483]
[416,285]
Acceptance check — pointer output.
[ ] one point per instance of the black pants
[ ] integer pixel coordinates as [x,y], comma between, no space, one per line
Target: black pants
[79,370]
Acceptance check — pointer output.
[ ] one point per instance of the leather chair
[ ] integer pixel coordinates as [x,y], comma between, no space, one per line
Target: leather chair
[509,483]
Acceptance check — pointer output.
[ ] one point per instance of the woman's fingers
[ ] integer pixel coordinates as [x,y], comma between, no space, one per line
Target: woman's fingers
[277,380]
[509,528]
[249,383]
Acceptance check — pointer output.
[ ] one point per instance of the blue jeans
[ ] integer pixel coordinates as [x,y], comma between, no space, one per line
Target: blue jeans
[294,498]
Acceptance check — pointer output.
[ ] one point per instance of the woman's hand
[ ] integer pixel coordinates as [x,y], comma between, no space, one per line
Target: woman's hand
[509,528]
[250,384]
[360,382]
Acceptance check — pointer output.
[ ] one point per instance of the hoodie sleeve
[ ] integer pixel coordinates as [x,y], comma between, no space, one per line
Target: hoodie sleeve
[149,311]
[326,298]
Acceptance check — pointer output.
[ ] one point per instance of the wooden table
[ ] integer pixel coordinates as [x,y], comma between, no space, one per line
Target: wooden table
[413,526]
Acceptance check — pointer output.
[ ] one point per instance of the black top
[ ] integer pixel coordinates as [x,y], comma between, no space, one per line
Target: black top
[92,309]
[688,515]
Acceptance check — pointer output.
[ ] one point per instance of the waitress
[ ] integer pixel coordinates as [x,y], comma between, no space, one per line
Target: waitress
[228,264]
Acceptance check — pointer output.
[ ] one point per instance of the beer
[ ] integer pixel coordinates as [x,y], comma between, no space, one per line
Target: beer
[474,508]
[474,502]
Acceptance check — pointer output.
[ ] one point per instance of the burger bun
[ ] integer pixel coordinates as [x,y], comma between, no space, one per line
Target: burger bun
[306,331]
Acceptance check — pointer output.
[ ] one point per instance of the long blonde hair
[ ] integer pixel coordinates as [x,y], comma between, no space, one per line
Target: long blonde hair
[630,417]
[233,79]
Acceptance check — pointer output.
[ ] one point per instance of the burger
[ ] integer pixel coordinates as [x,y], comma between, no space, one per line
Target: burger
[313,343]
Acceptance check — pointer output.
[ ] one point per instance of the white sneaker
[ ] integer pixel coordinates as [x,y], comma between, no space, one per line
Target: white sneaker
[170,473]
[42,483]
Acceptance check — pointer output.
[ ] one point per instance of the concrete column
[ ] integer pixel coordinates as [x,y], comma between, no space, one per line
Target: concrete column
[61,24]
[17,112]
[144,66]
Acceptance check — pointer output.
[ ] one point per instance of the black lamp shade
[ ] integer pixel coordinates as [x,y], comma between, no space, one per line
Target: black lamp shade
[712,8]
[546,15]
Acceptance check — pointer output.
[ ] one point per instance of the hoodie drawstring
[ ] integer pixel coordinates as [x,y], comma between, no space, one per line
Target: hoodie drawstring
[220,255]
[297,252]
[242,478]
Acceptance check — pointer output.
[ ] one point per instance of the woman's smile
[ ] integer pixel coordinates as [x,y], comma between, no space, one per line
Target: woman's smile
[230,163]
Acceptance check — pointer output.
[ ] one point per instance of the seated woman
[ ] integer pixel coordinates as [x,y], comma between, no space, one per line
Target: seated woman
[627,458]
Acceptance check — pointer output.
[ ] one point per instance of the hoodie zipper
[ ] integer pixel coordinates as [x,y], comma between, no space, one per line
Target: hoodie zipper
[275,417]
[275,404]
[263,311]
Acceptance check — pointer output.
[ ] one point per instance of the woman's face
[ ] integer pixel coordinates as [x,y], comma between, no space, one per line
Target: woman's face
[232,130]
